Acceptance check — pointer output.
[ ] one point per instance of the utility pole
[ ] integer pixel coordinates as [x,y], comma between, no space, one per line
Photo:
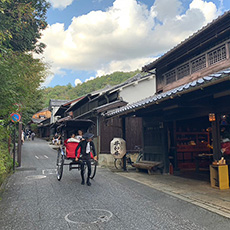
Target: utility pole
[19,150]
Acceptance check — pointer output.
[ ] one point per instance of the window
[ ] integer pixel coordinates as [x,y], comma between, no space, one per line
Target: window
[217,55]
[183,71]
[198,64]
[170,77]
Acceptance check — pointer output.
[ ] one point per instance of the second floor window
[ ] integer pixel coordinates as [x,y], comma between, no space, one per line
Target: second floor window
[217,55]
[183,71]
[198,64]
[170,77]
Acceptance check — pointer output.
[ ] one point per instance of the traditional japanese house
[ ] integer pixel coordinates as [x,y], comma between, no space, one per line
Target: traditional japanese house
[96,104]
[43,114]
[54,105]
[42,120]
[182,121]
[44,129]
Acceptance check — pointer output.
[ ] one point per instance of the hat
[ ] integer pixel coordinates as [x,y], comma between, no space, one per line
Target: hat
[88,135]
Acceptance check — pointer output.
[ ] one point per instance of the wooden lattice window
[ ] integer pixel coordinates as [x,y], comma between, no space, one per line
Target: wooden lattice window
[217,55]
[170,77]
[183,71]
[198,64]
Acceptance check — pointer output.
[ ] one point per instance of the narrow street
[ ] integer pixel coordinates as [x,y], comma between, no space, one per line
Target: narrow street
[34,199]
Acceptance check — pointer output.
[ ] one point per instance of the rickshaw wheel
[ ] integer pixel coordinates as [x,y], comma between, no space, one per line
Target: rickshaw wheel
[93,169]
[60,163]
[118,163]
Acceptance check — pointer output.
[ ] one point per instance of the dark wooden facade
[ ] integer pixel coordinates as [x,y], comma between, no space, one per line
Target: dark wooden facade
[94,106]
[188,91]
[114,127]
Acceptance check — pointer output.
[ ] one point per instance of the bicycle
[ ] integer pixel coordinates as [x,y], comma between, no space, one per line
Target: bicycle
[119,162]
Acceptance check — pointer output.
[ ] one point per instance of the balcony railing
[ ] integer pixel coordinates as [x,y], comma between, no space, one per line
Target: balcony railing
[205,60]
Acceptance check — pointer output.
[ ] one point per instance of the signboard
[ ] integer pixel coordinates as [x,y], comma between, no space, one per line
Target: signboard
[118,147]
[15,117]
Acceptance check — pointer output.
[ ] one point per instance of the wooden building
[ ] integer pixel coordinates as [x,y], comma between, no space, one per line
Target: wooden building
[44,129]
[95,105]
[43,114]
[182,121]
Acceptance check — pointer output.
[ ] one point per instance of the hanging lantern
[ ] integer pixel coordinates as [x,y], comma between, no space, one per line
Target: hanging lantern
[212,117]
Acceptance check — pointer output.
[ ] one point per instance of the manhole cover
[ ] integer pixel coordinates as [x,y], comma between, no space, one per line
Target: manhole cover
[34,177]
[89,216]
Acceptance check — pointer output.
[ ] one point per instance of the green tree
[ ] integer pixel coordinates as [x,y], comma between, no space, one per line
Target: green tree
[21,23]
[70,93]
[21,78]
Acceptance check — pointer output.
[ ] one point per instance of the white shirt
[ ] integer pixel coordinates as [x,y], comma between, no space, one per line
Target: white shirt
[88,147]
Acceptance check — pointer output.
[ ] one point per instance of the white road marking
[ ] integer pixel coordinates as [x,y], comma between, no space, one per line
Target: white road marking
[46,156]
[49,171]
[33,177]
[36,157]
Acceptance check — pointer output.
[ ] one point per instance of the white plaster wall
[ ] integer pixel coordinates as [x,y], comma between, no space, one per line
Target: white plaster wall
[139,91]
[53,119]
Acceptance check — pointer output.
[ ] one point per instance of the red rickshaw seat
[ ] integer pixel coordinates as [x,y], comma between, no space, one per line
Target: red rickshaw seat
[71,148]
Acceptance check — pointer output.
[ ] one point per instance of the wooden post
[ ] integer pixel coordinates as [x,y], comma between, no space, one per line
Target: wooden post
[164,132]
[19,149]
[124,137]
[98,136]
[14,147]
[216,138]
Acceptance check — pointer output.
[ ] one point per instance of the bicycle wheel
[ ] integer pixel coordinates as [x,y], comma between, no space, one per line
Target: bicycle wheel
[60,163]
[139,157]
[118,163]
[93,169]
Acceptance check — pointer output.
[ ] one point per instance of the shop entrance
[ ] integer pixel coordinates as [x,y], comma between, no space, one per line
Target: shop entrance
[193,145]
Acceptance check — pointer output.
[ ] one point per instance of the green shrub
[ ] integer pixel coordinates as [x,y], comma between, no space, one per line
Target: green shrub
[6,162]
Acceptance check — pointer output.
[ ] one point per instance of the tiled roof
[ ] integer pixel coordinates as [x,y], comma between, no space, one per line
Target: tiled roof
[54,102]
[171,93]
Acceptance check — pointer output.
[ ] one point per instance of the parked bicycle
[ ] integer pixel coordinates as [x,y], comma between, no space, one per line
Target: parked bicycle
[119,162]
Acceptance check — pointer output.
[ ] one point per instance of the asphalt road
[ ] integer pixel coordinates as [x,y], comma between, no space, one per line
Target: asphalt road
[34,199]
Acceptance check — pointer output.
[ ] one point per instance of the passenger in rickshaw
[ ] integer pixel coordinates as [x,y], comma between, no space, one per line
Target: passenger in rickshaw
[72,139]
[80,134]
[87,152]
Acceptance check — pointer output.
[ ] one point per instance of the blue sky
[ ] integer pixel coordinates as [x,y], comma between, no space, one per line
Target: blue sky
[90,38]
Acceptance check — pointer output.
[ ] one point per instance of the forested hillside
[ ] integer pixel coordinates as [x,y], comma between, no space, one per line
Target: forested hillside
[69,92]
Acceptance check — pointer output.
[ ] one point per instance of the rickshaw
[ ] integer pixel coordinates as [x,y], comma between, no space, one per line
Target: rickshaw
[66,151]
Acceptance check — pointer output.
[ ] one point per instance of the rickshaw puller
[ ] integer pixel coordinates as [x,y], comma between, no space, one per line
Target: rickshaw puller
[86,147]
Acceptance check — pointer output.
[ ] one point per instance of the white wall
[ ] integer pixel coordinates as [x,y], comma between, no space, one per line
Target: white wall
[53,119]
[139,90]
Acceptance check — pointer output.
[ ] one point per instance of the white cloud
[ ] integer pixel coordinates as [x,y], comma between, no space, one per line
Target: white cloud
[125,35]
[208,9]
[126,65]
[77,82]
[60,4]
